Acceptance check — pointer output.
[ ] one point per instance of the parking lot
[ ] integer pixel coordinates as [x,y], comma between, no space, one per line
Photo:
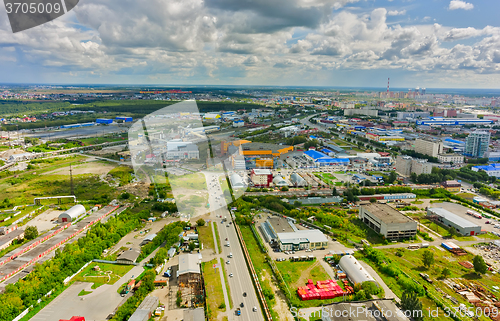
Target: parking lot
[462,212]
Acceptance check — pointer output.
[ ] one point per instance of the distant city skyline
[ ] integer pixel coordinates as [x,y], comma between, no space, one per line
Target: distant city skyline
[349,43]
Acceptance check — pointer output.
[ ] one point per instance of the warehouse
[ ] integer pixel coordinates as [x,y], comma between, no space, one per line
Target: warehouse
[148,238]
[387,221]
[189,268]
[128,257]
[321,159]
[355,272]
[297,180]
[302,240]
[72,214]
[6,240]
[388,197]
[146,309]
[125,119]
[279,181]
[236,181]
[104,121]
[447,218]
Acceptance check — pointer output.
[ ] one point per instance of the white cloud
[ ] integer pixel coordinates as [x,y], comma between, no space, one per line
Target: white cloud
[396,12]
[459,4]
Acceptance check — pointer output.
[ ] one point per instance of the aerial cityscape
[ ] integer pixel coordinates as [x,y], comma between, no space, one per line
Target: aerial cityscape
[250,160]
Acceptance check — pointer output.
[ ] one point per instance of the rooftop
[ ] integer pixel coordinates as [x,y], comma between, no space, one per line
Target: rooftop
[130,255]
[194,314]
[262,146]
[311,236]
[188,263]
[280,225]
[386,213]
[458,220]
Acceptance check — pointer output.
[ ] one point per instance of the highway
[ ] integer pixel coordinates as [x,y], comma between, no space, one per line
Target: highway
[241,280]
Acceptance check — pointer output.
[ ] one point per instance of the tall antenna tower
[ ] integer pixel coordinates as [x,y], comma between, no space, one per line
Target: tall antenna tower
[71,180]
[388,86]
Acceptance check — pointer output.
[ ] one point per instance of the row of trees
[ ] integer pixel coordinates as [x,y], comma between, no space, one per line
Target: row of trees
[50,274]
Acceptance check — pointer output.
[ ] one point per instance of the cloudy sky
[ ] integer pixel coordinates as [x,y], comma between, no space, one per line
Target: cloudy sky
[426,43]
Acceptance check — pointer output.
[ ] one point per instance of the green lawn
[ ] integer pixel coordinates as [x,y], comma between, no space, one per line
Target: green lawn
[100,140]
[226,283]
[326,177]
[123,173]
[219,246]
[296,274]
[206,236]
[195,181]
[107,273]
[213,288]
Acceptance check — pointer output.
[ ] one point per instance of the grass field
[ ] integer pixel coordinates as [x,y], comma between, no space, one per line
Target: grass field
[206,236]
[195,181]
[123,173]
[213,287]
[226,283]
[296,274]
[107,274]
[219,246]
[467,196]
[100,140]
[21,188]
[326,177]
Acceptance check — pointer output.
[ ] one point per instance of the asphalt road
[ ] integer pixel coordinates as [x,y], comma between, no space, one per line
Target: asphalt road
[77,132]
[241,281]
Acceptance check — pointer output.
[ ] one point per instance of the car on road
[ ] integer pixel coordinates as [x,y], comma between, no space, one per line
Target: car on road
[242,305]
[238,311]
[254,309]
[230,275]
[227,262]
[244,294]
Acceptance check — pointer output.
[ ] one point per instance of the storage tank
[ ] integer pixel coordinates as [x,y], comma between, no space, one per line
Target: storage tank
[72,214]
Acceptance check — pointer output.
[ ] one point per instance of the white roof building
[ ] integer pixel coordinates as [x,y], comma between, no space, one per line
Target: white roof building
[236,181]
[72,214]
[355,272]
[189,263]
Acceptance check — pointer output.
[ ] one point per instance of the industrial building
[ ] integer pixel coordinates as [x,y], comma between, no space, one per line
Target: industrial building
[447,218]
[194,314]
[491,169]
[388,197]
[297,180]
[274,225]
[279,181]
[428,147]
[261,177]
[237,181]
[387,221]
[7,239]
[477,143]
[146,309]
[403,115]
[355,272]
[452,186]
[321,159]
[265,149]
[149,238]
[128,257]
[189,268]
[104,121]
[435,121]
[182,150]
[73,214]
[302,240]
[125,119]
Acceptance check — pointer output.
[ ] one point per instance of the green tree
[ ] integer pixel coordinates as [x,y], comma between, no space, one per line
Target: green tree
[392,177]
[428,258]
[200,222]
[410,302]
[373,200]
[30,233]
[445,273]
[479,265]
[192,246]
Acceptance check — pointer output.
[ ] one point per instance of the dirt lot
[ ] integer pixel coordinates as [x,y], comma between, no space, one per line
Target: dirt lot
[98,168]
[140,189]
[43,221]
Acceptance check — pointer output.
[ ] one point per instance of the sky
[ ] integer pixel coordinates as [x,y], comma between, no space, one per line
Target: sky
[415,43]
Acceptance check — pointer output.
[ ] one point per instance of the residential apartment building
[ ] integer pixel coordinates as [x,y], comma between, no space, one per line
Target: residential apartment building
[403,165]
[476,144]
[420,166]
[427,147]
